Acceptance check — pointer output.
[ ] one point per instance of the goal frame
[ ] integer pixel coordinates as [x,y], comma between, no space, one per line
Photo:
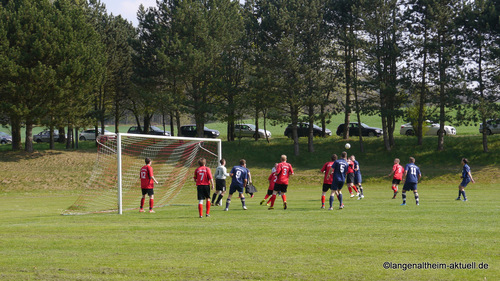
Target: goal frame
[119,155]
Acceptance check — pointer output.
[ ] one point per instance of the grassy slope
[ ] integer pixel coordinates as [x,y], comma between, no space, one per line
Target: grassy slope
[302,243]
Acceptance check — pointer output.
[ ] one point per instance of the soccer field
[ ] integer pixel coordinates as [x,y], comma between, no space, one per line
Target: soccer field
[437,240]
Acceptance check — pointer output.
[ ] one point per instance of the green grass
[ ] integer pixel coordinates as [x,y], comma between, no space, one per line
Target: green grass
[301,243]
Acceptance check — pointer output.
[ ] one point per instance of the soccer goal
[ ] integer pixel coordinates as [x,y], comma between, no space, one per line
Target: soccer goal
[114,185]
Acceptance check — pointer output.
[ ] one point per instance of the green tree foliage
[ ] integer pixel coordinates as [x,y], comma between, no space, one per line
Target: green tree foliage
[48,48]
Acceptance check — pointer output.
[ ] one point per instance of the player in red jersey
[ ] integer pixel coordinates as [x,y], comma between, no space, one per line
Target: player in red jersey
[350,178]
[272,180]
[204,182]
[147,185]
[283,172]
[397,171]
[327,179]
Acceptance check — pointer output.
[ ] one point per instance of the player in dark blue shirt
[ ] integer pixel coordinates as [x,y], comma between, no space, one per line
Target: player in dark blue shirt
[412,175]
[239,175]
[357,177]
[338,172]
[466,178]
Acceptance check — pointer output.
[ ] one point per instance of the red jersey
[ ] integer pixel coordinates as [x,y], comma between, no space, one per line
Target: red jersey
[146,176]
[326,169]
[202,175]
[350,167]
[398,171]
[272,180]
[283,171]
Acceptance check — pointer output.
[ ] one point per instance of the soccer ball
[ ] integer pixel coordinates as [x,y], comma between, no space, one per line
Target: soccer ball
[347,146]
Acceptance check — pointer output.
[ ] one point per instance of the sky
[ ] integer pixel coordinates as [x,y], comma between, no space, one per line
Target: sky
[127,8]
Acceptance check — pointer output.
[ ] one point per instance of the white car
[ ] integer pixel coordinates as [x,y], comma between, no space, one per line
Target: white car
[432,129]
[90,134]
[248,130]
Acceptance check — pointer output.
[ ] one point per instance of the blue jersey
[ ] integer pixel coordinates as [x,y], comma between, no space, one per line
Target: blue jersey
[412,173]
[339,170]
[465,172]
[356,168]
[240,174]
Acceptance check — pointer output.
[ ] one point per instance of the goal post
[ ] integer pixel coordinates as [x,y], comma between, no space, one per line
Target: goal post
[119,160]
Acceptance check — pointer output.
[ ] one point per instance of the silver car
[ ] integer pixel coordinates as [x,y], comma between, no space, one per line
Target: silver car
[248,130]
[492,127]
[432,129]
[44,136]
[5,138]
[90,134]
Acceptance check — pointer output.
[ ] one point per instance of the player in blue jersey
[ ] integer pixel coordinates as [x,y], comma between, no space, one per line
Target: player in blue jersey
[466,178]
[338,172]
[357,177]
[412,175]
[239,175]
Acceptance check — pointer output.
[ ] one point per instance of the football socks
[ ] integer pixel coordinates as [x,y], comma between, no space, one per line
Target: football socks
[403,195]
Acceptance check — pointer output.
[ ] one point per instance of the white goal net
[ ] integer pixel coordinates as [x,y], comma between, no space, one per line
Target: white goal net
[115,186]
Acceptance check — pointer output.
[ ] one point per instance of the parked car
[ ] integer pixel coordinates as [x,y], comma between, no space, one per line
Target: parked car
[365,130]
[492,127]
[90,134]
[190,131]
[432,129]
[248,130]
[153,130]
[44,136]
[5,138]
[303,130]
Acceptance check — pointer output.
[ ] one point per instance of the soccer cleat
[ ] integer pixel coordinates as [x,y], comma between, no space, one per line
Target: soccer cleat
[330,209]
[418,204]
[245,208]
[212,204]
[357,194]
[201,217]
[284,205]
[219,204]
[465,200]
[458,198]
[226,209]
[141,211]
[251,196]
[152,211]
[341,206]
[262,202]
[403,204]
[359,198]
[352,195]
[323,206]
[270,208]
[207,215]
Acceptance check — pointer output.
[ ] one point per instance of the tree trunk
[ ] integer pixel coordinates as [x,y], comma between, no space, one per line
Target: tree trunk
[256,134]
[423,92]
[62,135]
[178,121]
[76,137]
[15,124]
[69,139]
[172,123]
[28,145]
[310,137]
[295,119]
[51,134]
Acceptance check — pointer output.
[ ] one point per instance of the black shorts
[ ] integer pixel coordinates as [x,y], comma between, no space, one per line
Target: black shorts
[280,187]
[149,192]
[350,178]
[203,192]
[396,181]
[269,192]
[220,184]
[326,187]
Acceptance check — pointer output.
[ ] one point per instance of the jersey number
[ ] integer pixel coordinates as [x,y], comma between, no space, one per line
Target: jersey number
[413,171]
[143,175]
